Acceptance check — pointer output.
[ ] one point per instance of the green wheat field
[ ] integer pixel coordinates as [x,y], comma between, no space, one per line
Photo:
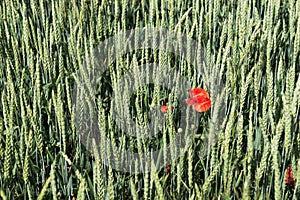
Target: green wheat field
[252,47]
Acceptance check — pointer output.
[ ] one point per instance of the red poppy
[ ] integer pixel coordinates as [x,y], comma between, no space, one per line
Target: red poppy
[199,98]
[168,169]
[289,179]
[164,108]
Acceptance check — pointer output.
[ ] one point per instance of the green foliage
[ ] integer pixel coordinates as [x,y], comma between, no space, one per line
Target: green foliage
[251,46]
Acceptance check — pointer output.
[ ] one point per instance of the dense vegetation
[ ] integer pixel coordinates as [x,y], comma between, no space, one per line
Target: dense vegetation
[251,51]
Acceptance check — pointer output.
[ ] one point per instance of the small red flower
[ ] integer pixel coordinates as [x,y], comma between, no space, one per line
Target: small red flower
[199,98]
[164,108]
[168,169]
[289,179]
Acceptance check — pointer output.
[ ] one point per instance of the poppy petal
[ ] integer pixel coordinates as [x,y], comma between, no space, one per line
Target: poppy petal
[200,100]
[203,106]
[167,169]
[198,93]
[289,180]
[164,108]
[189,101]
